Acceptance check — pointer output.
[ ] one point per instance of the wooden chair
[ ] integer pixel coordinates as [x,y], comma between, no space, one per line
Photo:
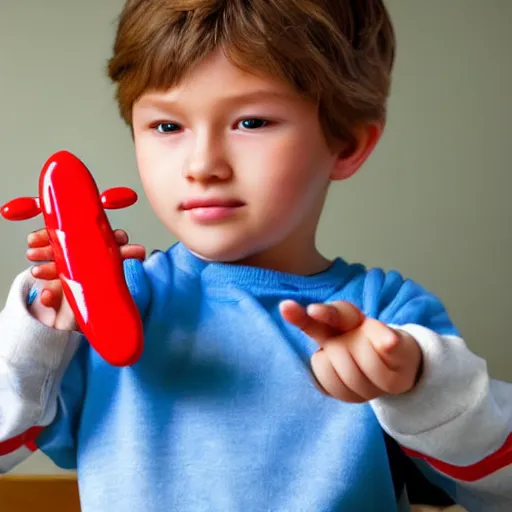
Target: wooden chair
[39,493]
[56,493]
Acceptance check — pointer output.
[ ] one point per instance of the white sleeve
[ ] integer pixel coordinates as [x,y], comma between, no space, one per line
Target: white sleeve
[457,421]
[33,358]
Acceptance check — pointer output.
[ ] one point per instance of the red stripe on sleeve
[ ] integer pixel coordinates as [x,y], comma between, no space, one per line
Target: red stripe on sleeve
[27,439]
[473,472]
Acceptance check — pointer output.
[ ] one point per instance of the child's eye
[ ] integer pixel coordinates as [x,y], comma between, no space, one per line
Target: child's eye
[167,127]
[253,123]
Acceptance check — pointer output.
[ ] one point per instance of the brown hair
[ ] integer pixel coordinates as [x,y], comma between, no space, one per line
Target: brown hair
[337,53]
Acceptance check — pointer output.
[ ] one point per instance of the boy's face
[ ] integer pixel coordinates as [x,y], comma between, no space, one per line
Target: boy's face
[235,165]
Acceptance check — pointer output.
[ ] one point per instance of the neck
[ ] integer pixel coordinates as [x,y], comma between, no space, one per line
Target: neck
[302,261]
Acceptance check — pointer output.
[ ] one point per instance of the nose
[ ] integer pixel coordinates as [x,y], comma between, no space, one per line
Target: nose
[207,161]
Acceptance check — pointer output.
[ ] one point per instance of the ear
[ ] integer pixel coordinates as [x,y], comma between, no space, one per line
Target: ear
[352,158]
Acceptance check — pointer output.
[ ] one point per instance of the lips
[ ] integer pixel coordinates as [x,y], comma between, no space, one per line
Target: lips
[212,210]
[193,204]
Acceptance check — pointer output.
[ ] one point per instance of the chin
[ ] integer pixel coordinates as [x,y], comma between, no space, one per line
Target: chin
[219,253]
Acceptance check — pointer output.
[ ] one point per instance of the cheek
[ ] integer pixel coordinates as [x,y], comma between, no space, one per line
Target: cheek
[291,171]
[147,174]
[151,158]
[155,177]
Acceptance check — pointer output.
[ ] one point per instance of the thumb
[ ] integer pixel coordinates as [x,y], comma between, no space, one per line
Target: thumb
[396,348]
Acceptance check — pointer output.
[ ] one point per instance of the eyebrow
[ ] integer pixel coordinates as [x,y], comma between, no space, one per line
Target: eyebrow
[258,96]
[155,100]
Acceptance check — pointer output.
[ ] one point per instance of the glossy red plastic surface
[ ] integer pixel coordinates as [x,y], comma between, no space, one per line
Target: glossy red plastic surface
[21,208]
[118,197]
[87,256]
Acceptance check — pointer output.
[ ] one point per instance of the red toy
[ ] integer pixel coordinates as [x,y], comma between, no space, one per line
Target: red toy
[87,256]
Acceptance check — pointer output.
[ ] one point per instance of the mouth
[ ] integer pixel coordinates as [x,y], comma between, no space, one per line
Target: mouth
[211,210]
[193,204]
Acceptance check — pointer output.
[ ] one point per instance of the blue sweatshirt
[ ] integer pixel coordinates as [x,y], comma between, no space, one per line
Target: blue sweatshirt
[222,412]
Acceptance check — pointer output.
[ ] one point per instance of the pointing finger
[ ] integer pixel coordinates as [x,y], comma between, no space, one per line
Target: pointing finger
[297,315]
[340,315]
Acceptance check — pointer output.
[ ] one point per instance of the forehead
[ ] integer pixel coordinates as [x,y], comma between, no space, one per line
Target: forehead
[216,78]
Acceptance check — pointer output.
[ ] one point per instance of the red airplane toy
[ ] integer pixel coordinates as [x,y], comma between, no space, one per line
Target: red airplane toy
[87,257]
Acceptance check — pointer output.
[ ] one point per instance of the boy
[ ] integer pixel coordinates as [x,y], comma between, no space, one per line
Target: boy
[272,378]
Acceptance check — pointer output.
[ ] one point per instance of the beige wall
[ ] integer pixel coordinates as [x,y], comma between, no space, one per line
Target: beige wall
[433,201]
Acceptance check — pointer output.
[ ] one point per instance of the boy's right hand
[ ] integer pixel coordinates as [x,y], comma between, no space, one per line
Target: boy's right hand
[56,311]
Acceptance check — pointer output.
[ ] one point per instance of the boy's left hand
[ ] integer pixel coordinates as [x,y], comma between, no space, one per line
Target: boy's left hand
[359,358]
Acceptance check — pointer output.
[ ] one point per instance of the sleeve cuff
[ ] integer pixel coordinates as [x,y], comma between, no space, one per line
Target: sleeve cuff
[24,341]
[450,406]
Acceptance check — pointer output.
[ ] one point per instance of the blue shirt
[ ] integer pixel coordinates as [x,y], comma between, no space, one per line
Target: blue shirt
[221,413]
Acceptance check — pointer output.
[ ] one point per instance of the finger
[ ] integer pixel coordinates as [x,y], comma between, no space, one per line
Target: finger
[297,315]
[325,314]
[43,314]
[46,271]
[349,371]
[40,253]
[51,295]
[121,237]
[385,342]
[350,316]
[65,320]
[38,238]
[133,251]
[340,315]
[402,353]
[328,380]
[373,366]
